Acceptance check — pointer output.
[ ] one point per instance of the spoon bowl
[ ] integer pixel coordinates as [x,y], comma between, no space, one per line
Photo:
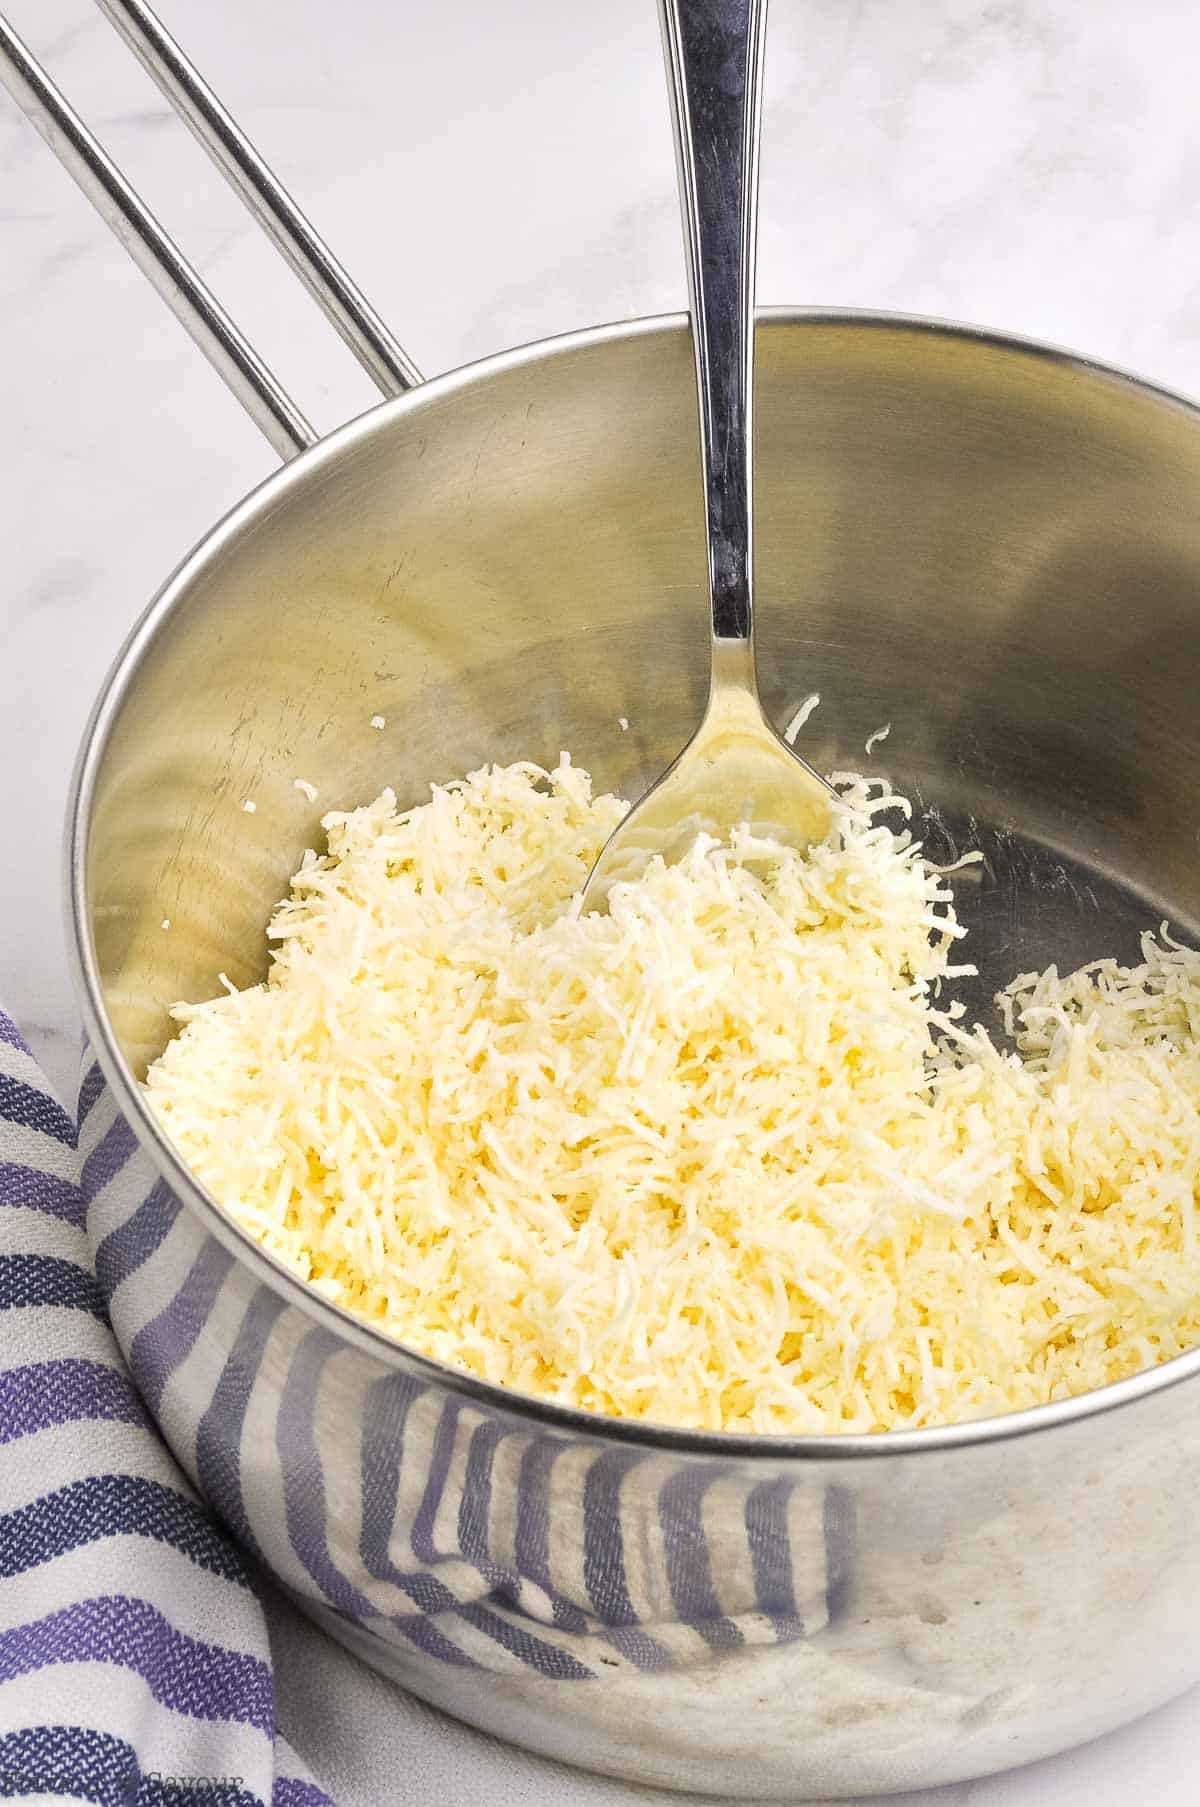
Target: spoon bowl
[735,770]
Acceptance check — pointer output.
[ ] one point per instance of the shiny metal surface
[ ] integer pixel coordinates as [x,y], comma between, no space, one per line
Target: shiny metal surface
[327,281]
[714,55]
[994,546]
[735,769]
[152,250]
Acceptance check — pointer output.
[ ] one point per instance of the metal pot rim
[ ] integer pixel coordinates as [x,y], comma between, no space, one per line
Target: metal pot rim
[730,1445]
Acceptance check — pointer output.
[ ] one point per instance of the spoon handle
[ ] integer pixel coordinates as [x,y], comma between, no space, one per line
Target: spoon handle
[714,61]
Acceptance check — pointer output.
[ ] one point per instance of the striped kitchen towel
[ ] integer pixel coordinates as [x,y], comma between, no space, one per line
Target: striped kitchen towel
[134,1661]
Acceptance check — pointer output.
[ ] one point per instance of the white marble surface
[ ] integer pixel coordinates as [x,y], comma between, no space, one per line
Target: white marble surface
[493,170]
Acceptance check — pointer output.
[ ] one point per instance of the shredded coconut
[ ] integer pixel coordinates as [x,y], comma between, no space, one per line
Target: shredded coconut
[308,790]
[719,1158]
[249,805]
[801,716]
[873,740]
[379,722]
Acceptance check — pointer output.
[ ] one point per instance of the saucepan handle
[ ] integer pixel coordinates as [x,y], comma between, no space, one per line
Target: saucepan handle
[160,259]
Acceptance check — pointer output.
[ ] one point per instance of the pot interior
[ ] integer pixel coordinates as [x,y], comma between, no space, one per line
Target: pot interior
[992,547]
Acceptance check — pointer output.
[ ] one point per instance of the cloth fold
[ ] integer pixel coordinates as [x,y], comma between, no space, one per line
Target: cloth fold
[135,1664]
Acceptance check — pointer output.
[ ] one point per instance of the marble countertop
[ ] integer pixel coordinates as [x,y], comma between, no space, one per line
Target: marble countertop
[492,171]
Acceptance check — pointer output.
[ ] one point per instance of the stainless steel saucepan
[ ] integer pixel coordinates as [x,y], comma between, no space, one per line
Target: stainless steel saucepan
[992,544]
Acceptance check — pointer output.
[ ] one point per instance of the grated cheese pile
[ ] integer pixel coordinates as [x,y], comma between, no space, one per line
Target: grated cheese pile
[721,1158]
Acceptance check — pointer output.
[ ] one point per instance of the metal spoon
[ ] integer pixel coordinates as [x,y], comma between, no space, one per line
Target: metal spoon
[735,768]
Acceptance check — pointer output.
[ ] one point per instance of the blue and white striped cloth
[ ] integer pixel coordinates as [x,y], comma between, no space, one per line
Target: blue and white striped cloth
[134,1659]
